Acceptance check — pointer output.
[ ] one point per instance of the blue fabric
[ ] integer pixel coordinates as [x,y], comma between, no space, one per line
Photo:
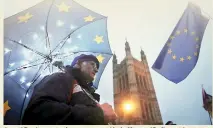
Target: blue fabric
[37,36]
[181,51]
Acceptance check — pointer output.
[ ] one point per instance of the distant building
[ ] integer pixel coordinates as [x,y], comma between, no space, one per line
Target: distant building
[132,81]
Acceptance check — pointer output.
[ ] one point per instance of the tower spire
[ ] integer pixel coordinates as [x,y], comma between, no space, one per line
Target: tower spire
[114,59]
[127,48]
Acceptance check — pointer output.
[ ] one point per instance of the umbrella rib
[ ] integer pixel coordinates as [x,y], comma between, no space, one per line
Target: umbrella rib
[29,63]
[90,52]
[34,79]
[47,34]
[22,67]
[45,56]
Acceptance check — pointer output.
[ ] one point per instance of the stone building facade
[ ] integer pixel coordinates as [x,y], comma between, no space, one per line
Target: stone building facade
[132,82]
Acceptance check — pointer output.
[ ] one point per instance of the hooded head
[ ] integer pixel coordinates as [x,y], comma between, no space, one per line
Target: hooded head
[88,65]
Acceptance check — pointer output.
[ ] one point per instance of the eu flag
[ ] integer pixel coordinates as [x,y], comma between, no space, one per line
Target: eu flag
[181,51]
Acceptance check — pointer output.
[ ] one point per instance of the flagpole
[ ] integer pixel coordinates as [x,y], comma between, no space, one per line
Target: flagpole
[210,118]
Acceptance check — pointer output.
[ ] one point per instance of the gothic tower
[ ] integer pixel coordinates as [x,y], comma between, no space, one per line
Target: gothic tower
[132,83]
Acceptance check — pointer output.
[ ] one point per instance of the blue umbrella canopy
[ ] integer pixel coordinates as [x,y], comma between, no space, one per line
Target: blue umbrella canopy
[36,38]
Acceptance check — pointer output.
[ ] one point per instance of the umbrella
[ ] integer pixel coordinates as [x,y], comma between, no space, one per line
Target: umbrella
[43,39]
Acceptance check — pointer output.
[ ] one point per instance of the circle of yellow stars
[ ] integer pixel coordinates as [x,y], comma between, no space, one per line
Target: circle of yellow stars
[62,7]
[182,59]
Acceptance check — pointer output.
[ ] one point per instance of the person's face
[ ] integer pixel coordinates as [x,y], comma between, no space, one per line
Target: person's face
[89,69]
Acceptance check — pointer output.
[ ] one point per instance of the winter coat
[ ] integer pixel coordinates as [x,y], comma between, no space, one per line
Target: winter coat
[54,101]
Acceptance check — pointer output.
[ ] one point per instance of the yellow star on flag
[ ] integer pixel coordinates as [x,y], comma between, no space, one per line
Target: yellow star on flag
[172,37]
[193,33]
[197,39]
[195,53]
[6,107]
[197,46]
[185,30]
[169,51]
[100,58]
[174,57]
[89,18]
[177,32]
[98,39]
[168,44]
[25,18]
[181,59]
[189,57]
[63,7]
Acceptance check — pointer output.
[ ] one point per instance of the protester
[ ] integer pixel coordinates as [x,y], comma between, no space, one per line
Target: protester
[68,98]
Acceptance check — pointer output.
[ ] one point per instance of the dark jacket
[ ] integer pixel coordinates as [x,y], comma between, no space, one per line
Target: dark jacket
[53,102]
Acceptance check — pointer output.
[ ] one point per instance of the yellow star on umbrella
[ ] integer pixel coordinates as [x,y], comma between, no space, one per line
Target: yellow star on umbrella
[89,18]
[6,107]
[100,58]
[98,39]
[174,57]
[182,59]
[63,7]
[25,18]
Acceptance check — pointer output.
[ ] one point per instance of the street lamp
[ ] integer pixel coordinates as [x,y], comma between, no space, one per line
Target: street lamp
[128,108]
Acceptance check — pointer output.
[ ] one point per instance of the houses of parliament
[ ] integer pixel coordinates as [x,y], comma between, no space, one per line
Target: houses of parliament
[132,82]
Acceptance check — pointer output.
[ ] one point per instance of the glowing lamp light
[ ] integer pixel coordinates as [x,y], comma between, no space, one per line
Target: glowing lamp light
[128,106]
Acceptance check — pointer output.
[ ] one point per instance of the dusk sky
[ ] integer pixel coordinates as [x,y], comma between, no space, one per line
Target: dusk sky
[148,24]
